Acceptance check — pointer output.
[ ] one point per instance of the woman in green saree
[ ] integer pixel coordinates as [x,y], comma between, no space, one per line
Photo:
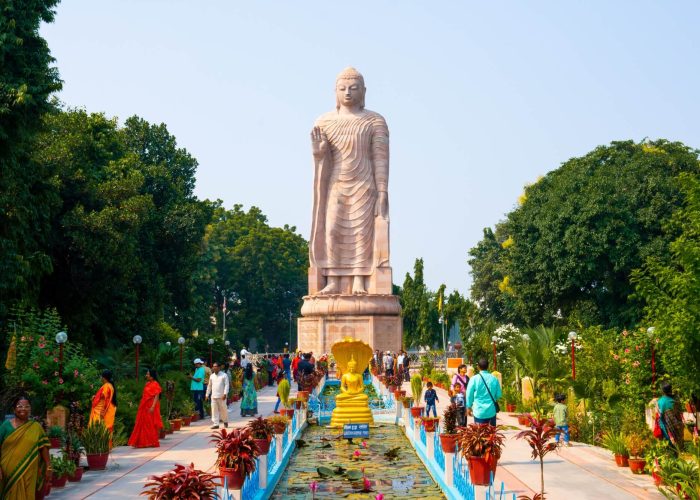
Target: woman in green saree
[25,466]
[249,403]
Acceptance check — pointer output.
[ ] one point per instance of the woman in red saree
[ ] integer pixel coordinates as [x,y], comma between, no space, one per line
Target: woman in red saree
[148,422]
[104,403]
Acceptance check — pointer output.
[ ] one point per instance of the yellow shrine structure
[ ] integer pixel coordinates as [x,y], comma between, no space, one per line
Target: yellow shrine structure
[352,357]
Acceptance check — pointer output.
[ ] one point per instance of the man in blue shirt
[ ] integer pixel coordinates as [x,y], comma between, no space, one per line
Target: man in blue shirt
[287,366]
[483,390]
[197,386]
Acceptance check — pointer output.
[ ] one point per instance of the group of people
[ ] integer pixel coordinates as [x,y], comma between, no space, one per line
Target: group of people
[390,364]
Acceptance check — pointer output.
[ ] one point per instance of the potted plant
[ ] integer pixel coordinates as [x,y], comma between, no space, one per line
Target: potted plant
[262,431]
[56,435]
[187,412]
[279,423]
[510,396]
[539,437]
[406,401]
[236,452]
[524,419]
[73,447]
[617,444]
[637,445]
[448,438]
[166,426]
[96,443]
[429,423]
[283,389]
[481,445]
[184,481]
[417,392]
[62,468]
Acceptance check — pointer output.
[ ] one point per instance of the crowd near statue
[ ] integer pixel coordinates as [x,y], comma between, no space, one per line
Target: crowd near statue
[349,234]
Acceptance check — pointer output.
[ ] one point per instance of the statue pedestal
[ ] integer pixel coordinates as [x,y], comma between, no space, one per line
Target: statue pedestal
[327,319]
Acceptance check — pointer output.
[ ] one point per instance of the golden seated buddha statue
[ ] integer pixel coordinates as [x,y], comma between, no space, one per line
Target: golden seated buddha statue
[351,404]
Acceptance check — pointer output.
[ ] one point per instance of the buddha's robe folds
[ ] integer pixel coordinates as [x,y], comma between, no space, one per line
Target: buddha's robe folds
[346,185]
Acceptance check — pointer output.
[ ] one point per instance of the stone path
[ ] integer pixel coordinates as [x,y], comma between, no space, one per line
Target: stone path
[129,468]
[576,473]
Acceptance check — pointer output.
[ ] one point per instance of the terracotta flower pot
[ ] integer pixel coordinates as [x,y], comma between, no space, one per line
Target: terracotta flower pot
[161,434]
[510,408]
[287,412]
[169,431]
[448,442]
[279,427]
[97,461]
[304,395]
[55,442]
[176,424]
[399,394]
[524,419]
[263,446]
[186,421]
[621,460]
[77,475]
[235,477]
[195,417]
[480,470]
[637,465]
[430,423]
[416,411]
[406,403]
[58,482]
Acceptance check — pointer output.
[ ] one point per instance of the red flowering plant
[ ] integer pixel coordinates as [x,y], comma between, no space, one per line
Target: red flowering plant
[236,449]
[633,356]
[34,364]
[184,481]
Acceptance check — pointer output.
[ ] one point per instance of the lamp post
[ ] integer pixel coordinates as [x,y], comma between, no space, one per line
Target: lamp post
[650,333]
[441,320]
[181,341]
[494,339]
[137,342]
[572,338]
[286,347]
[290,329]
[61,338]
[211,356]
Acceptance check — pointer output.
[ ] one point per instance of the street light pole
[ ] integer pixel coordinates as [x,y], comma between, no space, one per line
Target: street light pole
[181,341]
[441,320]
[650,333]
[137,342]
[290,329]
[223,319]
[211,343]
[494,339]
[572,338]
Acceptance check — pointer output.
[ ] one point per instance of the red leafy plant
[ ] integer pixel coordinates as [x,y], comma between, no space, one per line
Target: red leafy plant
[184,481]
[261,428]
[539,438]
[480,440]
[235,449]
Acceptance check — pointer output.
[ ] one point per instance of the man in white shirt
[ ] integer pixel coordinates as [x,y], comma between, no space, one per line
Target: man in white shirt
[244,361]
[218,391]
[388,364]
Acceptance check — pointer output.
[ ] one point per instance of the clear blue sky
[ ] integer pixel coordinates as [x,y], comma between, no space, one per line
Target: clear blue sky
[480,97]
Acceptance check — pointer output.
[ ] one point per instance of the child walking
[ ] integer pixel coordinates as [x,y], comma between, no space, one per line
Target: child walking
[430,399]
[458,399]
[561,417]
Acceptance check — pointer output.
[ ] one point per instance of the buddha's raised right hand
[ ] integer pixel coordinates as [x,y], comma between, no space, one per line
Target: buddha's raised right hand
[319,142]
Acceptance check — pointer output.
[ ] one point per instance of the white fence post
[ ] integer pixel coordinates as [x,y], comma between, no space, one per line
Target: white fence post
[449,469]
[262,471]
[430,445]
[278,448]
[416,430]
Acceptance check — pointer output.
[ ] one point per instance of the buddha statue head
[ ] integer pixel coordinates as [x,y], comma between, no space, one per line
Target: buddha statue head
[352,365]
[350,89]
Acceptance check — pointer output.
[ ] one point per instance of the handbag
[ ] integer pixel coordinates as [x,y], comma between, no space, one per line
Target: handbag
[498,408]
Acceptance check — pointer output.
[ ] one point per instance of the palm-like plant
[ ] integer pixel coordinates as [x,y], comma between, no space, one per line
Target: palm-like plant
[534,354]
[184,481]
[539,438]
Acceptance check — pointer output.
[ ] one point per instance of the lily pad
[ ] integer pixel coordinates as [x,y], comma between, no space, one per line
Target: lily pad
[324,471]
[354,474]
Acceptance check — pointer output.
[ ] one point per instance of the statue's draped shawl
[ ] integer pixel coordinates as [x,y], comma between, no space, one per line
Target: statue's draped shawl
[345,192]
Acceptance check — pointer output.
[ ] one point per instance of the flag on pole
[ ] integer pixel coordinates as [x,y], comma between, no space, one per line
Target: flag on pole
[440,304]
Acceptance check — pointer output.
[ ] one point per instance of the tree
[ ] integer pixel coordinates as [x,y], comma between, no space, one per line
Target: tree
[27,80]
[581,230]
[419,309]
[670,287]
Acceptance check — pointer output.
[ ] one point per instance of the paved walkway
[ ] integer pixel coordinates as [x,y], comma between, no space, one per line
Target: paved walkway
[576,473]
[129,468]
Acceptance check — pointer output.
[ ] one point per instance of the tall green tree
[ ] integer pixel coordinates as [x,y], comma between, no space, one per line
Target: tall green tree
[419,306]
[581,230]
[670,287]
[27,79]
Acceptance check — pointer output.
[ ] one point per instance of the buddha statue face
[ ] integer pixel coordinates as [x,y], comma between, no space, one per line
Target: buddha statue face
[352,366]
[350,89]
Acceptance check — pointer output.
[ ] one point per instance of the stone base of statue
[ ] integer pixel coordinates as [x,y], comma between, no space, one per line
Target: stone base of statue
[327,319]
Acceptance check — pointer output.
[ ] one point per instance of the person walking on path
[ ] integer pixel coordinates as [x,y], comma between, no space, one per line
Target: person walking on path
[104,403]
[388,363]
[406,367]
[304,368]
[148,420]
[483,391]
[280,378]
[670,417]
[197,387]
[269,366]
[287,366]
[25,466]
[561,418]
[431,398]
[249,404]
[217,390]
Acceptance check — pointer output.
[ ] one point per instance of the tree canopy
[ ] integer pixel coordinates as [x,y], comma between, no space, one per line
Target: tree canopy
[571,246]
